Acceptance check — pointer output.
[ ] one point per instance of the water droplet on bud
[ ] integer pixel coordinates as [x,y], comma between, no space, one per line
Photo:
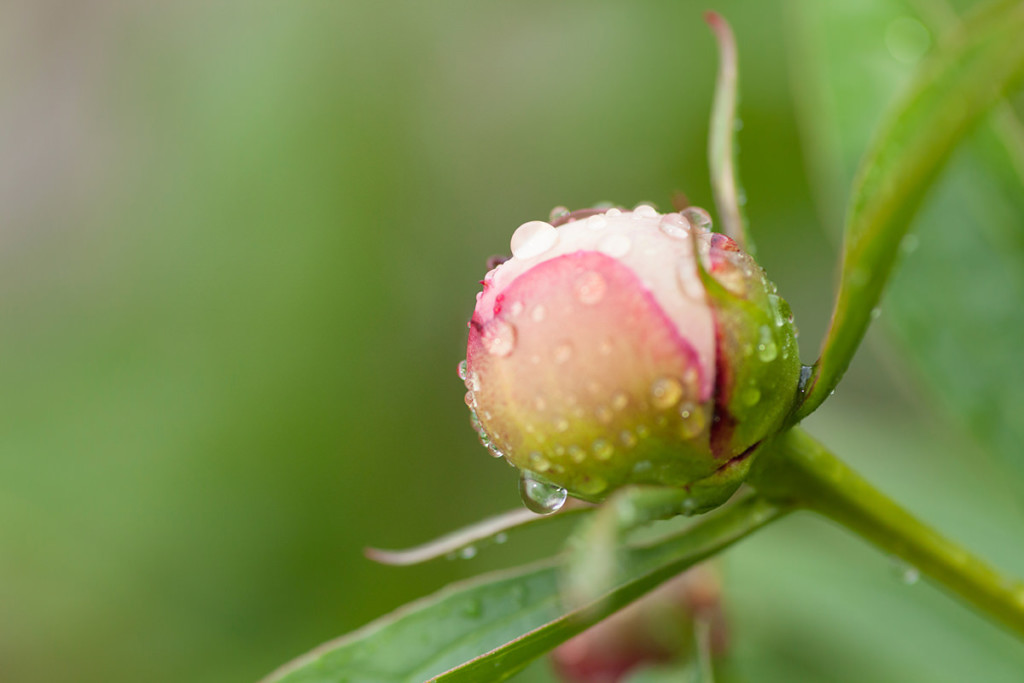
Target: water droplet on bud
[597,222]
[539,463]
[558,212]
[692,420]
[590,288]
[644,211]
[602,449]
[697,217]
[539,496]
[499,338]
[463,370]
[767,350]
[533,239]
[592,486]
[675,226]
[563,352]
[665,393]
[620,401]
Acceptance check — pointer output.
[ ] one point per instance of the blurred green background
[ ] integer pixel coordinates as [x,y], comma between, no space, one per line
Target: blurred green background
[239,243]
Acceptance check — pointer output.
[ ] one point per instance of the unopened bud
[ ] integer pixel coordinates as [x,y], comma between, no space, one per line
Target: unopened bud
[628,347]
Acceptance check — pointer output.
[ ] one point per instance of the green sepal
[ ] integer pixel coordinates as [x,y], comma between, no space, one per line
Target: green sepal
[759,361]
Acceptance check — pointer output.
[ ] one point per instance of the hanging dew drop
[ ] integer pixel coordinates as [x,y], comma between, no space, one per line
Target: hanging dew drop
[539,496]
[533,239]
[463,370]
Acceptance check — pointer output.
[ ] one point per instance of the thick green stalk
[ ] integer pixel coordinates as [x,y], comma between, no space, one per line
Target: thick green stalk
[802,471]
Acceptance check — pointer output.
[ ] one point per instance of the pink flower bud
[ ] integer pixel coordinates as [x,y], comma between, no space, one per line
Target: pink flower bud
[656,628]
[609,350]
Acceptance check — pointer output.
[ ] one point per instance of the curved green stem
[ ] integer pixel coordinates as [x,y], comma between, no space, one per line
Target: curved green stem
[725,179]
[800,470]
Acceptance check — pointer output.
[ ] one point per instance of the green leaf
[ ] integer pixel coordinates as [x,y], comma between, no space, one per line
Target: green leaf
[951,90]
[499,623]
[955,302]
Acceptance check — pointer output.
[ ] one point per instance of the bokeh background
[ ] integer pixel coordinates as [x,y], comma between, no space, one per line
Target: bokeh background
[239,244]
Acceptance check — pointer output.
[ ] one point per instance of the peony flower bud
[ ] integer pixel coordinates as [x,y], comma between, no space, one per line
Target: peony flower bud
[657,628]
[628,347]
